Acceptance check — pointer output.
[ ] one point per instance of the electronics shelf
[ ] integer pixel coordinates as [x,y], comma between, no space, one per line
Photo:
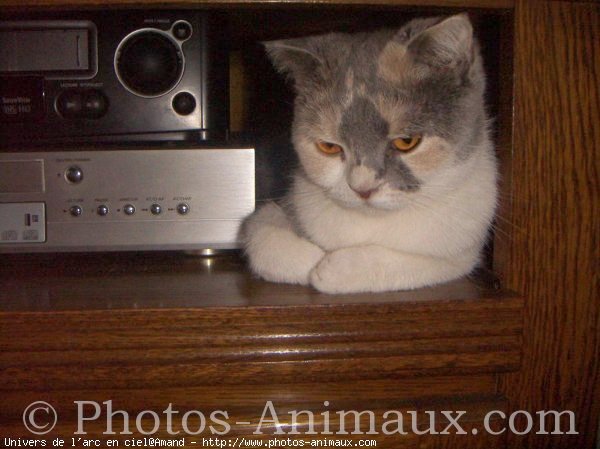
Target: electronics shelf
[55,335]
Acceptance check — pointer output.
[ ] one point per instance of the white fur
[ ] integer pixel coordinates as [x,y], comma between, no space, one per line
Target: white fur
[363,178]
[353,245]
[275,251]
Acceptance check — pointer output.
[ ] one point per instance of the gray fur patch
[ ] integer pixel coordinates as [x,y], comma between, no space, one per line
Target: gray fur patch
[433,88]
[363,128]
[366,132]
[399,175]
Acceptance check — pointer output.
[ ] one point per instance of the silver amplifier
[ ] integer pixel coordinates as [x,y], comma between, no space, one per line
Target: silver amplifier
[124,199]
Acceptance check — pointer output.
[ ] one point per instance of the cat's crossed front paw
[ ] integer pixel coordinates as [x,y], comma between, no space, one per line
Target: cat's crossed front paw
[341,271]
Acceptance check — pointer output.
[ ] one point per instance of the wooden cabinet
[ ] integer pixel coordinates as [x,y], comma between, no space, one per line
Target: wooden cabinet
[551,254]
[148,330]
[202,334]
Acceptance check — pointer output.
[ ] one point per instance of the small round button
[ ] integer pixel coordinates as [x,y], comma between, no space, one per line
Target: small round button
[183,209]
[95,104]
[129,209]
[156,209]
[182,30]
[69,104]
[184,103]
[102,210]
[74,174]
[76,211]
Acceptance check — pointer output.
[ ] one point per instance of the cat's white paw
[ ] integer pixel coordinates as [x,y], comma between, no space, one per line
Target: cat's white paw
[341,271]
[372,268]
[274,250]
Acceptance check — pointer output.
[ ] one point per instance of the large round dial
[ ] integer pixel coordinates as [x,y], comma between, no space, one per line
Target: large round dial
[149,63]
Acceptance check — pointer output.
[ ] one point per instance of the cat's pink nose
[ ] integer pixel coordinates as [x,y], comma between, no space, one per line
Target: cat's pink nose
[365,194]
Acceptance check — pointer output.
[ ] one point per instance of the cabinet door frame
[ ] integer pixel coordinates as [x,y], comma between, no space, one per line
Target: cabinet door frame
[550,254]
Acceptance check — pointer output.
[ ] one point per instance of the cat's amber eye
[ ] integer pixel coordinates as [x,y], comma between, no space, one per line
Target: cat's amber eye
[406,143]
[328,147]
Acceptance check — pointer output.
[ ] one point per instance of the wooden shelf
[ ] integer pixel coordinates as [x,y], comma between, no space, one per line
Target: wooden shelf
[149,280]
[146,330]
[493,4]
[213,311]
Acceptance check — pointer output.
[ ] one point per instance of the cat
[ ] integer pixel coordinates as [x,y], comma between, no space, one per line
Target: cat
[397,183]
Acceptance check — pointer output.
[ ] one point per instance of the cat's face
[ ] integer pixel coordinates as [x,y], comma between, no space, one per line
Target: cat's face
[383,119]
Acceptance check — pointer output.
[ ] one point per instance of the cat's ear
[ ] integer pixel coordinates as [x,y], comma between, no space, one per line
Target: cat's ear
[448,43]
[297,58]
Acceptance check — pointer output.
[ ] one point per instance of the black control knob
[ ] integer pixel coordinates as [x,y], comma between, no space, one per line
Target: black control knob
[74,175]
[182,30]
[184,103]
[69,104]
[129,209]
[95,104]
[149,63]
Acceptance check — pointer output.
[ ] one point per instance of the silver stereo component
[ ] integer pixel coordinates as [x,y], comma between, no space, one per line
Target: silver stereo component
[124,199]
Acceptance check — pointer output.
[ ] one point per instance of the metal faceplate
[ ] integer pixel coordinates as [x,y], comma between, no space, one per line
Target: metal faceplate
[125,199]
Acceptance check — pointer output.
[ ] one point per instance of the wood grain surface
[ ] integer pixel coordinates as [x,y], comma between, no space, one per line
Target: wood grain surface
[495,4]
[173,280]
[147,330]
[241,434]
[553,252]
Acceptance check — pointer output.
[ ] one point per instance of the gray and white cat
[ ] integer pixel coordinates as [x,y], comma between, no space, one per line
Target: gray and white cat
[397,181]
